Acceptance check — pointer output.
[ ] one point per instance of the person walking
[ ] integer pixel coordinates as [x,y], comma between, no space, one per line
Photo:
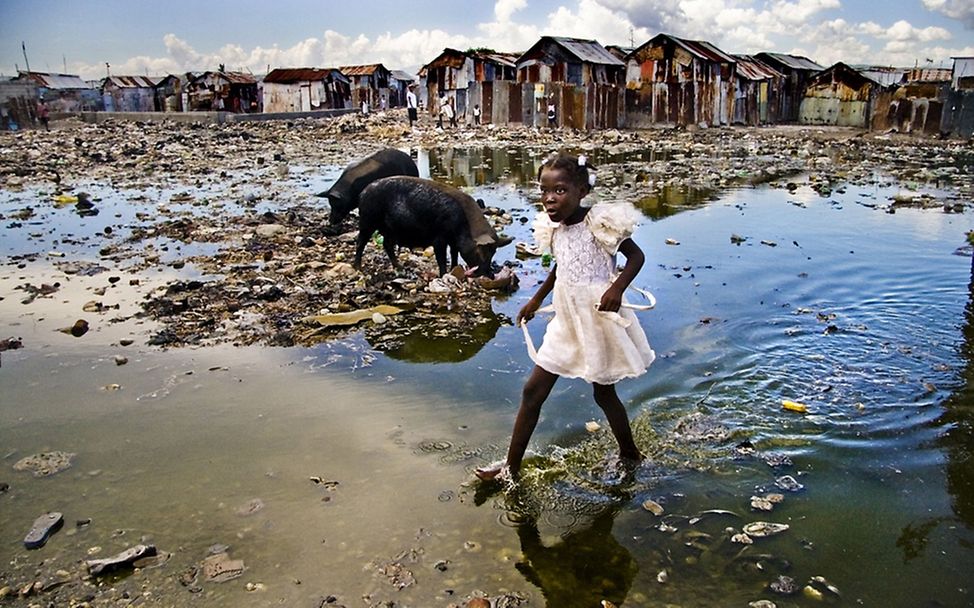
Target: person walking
[591,336]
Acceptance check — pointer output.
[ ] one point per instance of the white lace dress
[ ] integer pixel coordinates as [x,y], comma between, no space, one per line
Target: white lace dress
[580,341]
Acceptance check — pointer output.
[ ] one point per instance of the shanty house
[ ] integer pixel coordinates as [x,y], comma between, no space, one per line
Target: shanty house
[580,78]
[223,91]
[453,75]
[915,104]
[369,83]
[570,60]
[63,92]
[797,71]
[756,90]
[305,90]
[129,93]
[839,96]
[399,82]
[958,116]
[674,81]
[168,94]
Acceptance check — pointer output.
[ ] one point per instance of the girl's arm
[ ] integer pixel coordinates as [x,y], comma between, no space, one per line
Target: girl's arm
[612,298]
[527,311]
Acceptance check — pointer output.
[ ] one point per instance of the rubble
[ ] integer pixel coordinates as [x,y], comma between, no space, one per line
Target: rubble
[260,264]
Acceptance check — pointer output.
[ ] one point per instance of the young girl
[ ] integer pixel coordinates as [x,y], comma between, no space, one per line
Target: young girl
[591,336]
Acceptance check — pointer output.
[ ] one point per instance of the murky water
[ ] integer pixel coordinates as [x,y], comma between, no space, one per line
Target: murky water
[863,315]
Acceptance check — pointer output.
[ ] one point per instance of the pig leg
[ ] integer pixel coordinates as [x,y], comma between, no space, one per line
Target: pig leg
[363,239]
[389,244]
[439,250]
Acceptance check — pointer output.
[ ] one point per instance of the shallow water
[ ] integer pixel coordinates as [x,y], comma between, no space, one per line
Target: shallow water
[863,315]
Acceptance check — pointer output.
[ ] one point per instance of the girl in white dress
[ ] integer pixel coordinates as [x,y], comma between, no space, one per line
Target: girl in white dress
[591,336]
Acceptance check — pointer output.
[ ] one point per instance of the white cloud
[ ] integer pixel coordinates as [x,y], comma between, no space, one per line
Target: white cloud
[961,10]
[806,27]
[503,9]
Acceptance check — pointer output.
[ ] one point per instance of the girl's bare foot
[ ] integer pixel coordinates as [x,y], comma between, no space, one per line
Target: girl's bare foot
[490,471]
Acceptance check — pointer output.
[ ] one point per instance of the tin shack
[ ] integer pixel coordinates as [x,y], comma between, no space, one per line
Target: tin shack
[305,90]
[130,93]
[580,78]
[797,71]
[678,82]
[369,83]
[840,96]
[757,89]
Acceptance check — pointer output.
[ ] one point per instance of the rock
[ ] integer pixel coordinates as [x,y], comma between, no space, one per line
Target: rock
[43,527]
[220,568]
[121,560]
[120,360]
[653,507]
[77,330]
[761,529]
[45,463]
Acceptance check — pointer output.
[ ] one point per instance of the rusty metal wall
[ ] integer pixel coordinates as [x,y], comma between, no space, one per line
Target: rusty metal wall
[958,114]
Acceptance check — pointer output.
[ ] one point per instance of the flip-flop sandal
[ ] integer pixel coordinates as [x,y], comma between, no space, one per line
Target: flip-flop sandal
[43,527]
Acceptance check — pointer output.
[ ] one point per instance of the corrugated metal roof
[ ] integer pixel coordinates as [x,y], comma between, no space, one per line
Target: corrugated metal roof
[134,82]
[794,62]
[55,81]
[361,70]
[587,51]
[886,76]
[449,58]
[930,75]
[289,75]
[401,75]
[752,68]
[504,59]
[704,50]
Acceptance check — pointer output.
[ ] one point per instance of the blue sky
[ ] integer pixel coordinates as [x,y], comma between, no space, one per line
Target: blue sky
[170,36]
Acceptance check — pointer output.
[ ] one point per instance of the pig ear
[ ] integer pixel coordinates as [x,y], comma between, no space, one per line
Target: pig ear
[504,240]
[483,240]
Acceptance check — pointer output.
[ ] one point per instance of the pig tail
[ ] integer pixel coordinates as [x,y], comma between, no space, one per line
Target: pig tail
[577,167]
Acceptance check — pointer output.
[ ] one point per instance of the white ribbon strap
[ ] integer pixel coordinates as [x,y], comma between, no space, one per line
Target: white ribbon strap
[612,316]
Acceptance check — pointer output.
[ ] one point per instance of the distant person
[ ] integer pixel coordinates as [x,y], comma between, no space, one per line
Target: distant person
[476,114]
[365,107]
[43,113]
[382,104]
[552,122]
[592,336]
[446,109]
[411,105]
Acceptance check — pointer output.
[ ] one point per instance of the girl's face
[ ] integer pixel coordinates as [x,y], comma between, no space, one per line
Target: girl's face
[561,197]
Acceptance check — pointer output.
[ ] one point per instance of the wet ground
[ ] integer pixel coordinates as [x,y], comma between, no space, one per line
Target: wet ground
[208,416]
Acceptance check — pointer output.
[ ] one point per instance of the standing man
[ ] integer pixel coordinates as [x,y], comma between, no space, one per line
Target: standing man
[43,113]
[411,104]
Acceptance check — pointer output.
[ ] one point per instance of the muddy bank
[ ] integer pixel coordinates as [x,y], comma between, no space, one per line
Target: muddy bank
[244,234]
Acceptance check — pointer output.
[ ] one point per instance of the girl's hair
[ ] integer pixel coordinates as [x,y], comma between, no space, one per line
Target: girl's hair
[577,168]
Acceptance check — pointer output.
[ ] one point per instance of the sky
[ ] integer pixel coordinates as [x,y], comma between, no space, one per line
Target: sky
[174,36]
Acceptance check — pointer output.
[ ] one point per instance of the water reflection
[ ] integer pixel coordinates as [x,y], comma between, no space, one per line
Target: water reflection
[582,567]
[958,420]
[431,342]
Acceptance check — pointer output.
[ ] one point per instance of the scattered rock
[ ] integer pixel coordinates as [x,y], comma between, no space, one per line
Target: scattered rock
[45,463]
[125,559]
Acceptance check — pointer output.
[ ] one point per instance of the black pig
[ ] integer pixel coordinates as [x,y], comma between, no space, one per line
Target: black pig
[414,212]
[343,196]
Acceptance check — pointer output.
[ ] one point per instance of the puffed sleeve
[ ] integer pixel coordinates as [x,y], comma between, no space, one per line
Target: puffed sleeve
[543,228]
[612,223]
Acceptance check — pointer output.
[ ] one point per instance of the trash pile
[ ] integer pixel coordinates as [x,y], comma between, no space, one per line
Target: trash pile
[236,205]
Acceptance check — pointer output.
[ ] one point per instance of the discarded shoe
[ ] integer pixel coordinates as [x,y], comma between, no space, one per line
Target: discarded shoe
[43,527]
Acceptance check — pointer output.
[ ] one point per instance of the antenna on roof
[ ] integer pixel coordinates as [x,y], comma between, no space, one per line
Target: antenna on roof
[632,42]
[23,45]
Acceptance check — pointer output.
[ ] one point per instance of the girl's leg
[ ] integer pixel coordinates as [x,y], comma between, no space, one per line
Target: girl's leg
[615,412]
[533,395]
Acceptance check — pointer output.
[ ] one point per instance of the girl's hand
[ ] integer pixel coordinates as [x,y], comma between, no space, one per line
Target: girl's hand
[527,311]
[611,300]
